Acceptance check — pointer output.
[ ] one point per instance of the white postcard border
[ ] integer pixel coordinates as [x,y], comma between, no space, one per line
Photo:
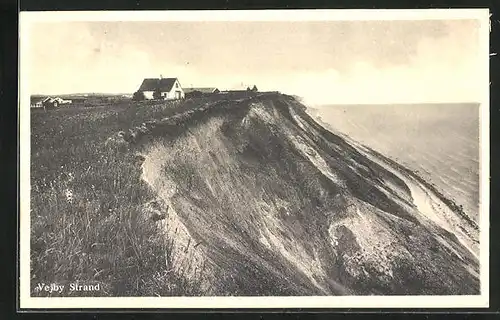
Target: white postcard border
[26,19]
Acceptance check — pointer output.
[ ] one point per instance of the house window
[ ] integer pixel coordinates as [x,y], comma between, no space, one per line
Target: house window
[177,85]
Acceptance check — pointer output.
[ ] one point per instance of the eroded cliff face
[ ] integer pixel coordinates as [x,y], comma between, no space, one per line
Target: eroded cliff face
[271,203]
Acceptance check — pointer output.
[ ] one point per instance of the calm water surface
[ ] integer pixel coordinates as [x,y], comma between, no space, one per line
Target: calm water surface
[440,141]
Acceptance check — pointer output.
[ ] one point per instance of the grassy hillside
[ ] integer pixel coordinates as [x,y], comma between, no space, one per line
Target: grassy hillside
[86,204]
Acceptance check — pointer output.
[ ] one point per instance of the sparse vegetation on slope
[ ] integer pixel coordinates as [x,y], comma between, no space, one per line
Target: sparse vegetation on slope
[282,206]
[87,202]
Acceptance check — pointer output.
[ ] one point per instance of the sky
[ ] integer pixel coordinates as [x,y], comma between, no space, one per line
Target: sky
[325,62]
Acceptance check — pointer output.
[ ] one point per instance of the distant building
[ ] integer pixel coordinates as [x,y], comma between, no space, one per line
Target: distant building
[238,94]
[241,91]
[48,102]
[62,101]
[162,89]
[202,90]
[198,92]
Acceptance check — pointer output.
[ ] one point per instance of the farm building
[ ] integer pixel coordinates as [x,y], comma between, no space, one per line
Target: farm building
[63,101]
[54,102]
[241,91]
[48,102]
[162,88]
[249,92]
[198,92]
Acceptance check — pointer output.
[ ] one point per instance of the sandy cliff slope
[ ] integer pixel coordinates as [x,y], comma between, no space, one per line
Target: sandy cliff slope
[271,203]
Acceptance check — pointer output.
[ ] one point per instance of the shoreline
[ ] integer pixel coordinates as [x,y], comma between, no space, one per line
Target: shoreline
[430,202]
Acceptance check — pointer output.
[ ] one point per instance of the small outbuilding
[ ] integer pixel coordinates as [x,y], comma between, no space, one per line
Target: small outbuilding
[199,92]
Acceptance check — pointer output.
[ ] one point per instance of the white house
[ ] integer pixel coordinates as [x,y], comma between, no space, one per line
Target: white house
[167,88]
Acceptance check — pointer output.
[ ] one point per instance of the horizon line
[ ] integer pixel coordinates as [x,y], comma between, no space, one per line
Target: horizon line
[310,105]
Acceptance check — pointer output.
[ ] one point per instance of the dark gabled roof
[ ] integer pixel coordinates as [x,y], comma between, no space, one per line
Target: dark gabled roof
[152,84]
[202,90]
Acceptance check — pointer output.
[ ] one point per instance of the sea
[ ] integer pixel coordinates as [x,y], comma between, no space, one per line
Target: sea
[438,141]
